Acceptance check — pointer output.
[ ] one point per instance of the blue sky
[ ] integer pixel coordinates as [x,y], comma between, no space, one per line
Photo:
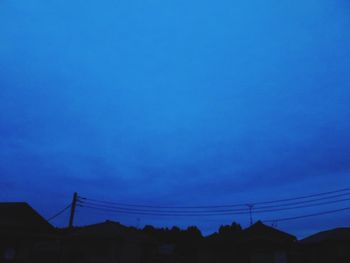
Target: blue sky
[174,102]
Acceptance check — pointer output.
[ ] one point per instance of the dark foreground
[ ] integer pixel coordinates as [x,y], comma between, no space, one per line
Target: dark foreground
[26,237]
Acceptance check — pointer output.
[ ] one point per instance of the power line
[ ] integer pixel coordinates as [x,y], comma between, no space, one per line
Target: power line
[59,213]
[82,199]
[294,203]
[161,207]
[116,211]
[266,221]
[302,206]
[298,204]
[201,213]
[308,215]
[304,197]
[305,201]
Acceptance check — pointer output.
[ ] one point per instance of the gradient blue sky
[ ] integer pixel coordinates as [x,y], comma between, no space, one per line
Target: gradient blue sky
[174,102]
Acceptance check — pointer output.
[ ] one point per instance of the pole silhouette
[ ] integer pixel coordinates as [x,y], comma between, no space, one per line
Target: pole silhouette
[72,211]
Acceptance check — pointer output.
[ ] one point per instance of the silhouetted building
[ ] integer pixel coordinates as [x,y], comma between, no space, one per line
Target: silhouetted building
[176,245]
[107,242]
[257,244]
[267,244]
[327,246]
[25,235]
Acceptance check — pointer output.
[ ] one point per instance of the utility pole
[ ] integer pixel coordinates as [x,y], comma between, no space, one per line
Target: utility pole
[72,210]
[250,206]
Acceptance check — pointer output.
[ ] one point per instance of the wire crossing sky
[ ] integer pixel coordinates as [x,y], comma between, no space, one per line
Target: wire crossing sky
[174,103]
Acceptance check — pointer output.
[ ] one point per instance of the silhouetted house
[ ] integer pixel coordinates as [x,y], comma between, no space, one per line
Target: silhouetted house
[106,243]
[25,235]
[265,244]
[175,245]
[327,246]
[257,244]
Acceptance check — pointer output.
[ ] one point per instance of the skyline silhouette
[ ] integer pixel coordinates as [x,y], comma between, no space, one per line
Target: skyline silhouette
[27,237]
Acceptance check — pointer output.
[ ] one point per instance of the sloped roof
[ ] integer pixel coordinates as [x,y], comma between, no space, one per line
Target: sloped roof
[262,232]
[336,234]
[21,216]
[105,229]
[108,230]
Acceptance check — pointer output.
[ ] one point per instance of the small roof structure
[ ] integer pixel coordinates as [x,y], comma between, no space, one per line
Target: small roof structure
[107,230]
[20,216]
[262,232]
[336,234]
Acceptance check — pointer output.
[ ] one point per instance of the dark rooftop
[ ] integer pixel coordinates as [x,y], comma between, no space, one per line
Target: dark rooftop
[260,231]
[21,216]
[108,229]
[337,234]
